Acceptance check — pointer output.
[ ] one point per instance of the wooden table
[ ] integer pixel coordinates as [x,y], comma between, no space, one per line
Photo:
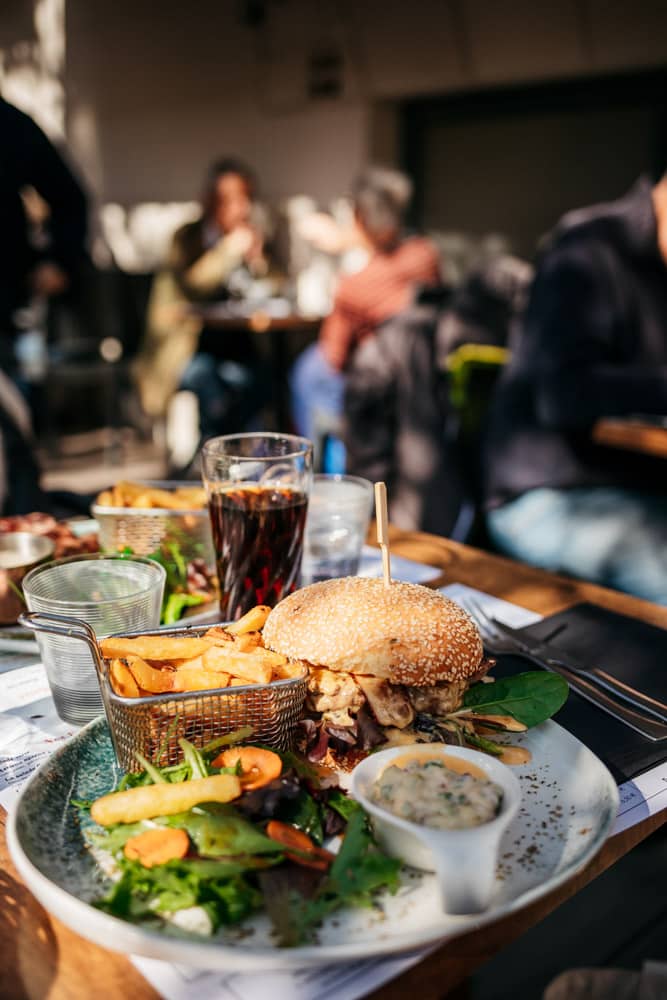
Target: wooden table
[219,316]
[40,957]
[632,435]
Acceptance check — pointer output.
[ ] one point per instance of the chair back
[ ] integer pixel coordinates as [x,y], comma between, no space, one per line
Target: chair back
[473,370]
[395,417]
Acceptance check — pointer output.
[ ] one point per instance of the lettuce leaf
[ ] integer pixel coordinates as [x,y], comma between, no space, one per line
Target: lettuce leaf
[221,887]
[219,831]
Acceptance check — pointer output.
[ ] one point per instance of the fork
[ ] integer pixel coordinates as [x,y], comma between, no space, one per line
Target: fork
[496,643]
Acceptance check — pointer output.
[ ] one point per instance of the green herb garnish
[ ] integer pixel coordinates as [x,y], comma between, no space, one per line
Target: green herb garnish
[530,698]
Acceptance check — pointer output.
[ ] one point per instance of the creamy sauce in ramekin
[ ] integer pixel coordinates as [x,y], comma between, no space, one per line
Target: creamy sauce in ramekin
[442,792]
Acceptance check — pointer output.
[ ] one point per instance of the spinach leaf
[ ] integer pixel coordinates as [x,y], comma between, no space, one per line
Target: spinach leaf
[303,768]
[357,872]
[305,814]
[219,831]
[530,697]
[359,868]
[342,804]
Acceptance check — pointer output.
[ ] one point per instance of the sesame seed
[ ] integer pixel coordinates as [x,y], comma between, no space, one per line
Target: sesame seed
[406,633]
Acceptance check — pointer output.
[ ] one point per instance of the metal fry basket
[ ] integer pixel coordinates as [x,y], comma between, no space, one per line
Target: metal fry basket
[144,529]
[154,724]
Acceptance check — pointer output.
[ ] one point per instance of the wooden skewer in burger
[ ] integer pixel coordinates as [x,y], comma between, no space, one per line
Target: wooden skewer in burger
[388,661]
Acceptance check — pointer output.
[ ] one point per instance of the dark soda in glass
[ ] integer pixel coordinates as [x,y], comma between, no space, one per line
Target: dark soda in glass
[258,539]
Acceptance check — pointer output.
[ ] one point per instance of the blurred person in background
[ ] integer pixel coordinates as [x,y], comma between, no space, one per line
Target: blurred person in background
[35,266]
[399,422]
[384,287]
[38,262]
[212,259]
[20,491]
[593,344]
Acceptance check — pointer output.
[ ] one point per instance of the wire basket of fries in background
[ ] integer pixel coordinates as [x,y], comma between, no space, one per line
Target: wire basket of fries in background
[193,683]
[168,521]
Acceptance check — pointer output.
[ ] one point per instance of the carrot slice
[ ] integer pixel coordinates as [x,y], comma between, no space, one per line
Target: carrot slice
[258,767]
[157,845]
[311,855]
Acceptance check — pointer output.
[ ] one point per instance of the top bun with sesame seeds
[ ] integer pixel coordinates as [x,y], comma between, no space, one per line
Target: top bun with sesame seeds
[404,634]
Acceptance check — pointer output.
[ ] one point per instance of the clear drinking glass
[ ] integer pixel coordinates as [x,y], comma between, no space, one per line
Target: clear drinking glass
[258,487]
[113,593]
[338,517]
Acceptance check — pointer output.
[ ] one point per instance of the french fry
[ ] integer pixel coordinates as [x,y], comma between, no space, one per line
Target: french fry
[252,652]
[143,502]
[283,671]
[190,497]
[196,663]
[268,656]
[154,647]
[122,680]
[198,679]
[129,489]
[162,664]
[162,498]
[248,641]
[149,801]
[218,636]
[237,664]
[147,677]
[140,495]
[252,621]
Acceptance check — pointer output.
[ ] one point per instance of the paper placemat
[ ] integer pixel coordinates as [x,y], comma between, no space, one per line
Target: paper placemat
[405,570]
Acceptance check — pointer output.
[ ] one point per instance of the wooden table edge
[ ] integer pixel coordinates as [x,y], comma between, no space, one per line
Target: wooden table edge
[632,435]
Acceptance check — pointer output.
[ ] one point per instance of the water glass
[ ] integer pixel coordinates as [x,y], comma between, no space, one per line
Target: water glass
[112,593]
[258,487]
[338,517]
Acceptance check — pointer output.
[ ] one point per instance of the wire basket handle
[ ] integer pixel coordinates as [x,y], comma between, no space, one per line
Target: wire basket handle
[71,628]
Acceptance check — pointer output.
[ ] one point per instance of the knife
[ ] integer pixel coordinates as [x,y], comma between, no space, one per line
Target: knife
[646,725]
[552,655]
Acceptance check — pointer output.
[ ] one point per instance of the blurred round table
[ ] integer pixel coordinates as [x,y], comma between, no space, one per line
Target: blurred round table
[279,326]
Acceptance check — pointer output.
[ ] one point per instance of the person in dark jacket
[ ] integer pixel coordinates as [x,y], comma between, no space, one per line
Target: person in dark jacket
[394,423]
[593,345]
[28,268]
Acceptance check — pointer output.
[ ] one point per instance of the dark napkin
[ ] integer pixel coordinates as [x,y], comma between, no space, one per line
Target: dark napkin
[629,650]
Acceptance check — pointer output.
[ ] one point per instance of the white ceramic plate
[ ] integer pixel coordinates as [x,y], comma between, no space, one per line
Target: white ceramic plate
[569,803]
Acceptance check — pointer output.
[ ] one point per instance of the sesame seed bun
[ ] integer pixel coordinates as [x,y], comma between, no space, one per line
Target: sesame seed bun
[405,633]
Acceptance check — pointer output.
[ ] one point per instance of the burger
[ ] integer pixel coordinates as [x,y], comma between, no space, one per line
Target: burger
[385,662]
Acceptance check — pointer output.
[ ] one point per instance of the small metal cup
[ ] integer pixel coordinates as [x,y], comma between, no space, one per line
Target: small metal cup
[20,551]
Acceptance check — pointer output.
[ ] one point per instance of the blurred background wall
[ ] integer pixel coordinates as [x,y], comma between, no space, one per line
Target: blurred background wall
[147,91]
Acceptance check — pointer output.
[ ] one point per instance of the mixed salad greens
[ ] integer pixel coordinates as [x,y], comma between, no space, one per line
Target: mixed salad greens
[218,862]
[190,580]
